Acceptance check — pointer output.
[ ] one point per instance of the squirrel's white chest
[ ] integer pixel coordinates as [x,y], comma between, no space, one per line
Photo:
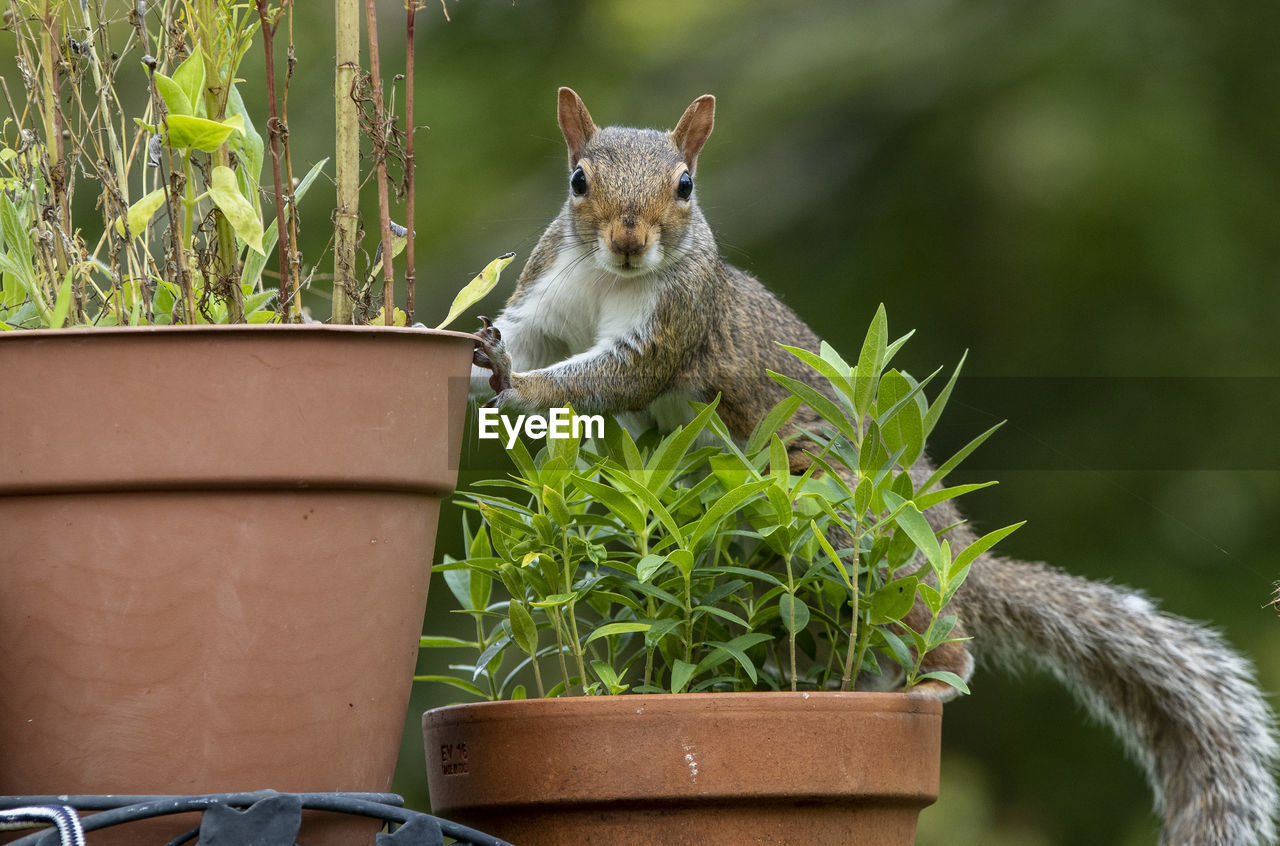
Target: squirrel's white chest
[580,305]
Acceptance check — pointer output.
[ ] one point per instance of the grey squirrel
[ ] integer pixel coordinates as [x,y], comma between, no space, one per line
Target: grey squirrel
[626,307]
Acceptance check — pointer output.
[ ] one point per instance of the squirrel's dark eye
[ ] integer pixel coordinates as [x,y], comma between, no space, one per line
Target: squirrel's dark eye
[684,188]
[578,182]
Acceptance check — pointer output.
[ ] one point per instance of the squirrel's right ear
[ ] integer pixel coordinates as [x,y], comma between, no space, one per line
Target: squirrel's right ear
[575,123]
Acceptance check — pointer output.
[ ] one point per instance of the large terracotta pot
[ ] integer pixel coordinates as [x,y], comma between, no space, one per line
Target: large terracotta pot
[216,551]
[732,769]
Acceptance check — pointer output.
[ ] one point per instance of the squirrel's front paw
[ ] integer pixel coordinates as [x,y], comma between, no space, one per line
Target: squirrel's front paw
[491,354]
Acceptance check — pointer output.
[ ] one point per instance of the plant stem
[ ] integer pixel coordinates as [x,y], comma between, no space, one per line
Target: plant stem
[688,619]
[850,669]
[274,130]
[537,677]
[573,617]
[558,625]
[346,158]
[226,278]
[58,171]
[791,623]
[380,162]
[295,255]
[412,8]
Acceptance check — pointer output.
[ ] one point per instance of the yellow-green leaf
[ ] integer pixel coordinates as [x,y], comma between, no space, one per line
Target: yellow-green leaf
[240,212]
[175,99]
[186,132]
[236,122]
[477,288]
[63,303]
[189,76]
[141,212]
[398,317]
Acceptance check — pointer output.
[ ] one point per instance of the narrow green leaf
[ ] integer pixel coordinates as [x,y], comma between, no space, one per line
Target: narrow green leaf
[607,675]
[63,303]
[255,263]
[556,506]
[461,684]
[681,672]
[954,461]
[779,462]
[870,362]
[925,501]
[674,447]
[760,575]
[17,243]
[247,143]
[523,630]
[831,554]
[774,420]
[862,495]
[615,500]
[480,589]
[459,583]
[940,402]
[892,350]
[444,642]
[982,544]
[477,288]
[897,649]
[831,372]
[640,490]
[253,301]
[945,676]
[911,521]
[726,505]
[555,600]
[900,422]
[491,655]
[610,629]
[826,407]
[658,631]
[721,613]
[736,649]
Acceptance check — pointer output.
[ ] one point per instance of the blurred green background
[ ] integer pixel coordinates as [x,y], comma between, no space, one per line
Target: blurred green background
[1084,194]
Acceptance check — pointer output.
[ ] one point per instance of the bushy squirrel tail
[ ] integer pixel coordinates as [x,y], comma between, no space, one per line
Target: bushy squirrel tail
[1186,705]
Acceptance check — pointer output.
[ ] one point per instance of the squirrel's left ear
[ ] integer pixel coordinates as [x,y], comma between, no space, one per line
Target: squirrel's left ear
[575,123]
[694,128]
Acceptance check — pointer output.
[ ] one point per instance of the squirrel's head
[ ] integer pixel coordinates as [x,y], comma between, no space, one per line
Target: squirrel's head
[631,190]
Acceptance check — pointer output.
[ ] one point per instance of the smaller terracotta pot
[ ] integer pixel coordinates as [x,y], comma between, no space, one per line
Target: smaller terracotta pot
[731,768]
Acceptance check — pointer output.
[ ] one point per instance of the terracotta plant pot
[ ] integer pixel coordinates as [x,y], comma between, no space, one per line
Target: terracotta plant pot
[216,551]
[732,768]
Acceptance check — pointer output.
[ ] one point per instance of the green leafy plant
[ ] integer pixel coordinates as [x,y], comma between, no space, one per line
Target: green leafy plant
[177,167]
[663,565]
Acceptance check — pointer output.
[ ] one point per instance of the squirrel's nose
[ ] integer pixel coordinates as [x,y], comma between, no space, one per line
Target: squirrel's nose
[627,238]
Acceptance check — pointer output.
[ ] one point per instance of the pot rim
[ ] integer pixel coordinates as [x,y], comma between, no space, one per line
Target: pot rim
[713,703]
[235,328]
